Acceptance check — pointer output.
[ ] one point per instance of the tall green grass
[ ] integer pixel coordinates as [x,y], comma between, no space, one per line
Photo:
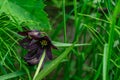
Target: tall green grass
[86,32]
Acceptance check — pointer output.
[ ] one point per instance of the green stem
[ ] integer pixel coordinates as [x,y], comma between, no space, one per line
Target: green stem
[75,12]
[105,57]
[65,35]
[39,65]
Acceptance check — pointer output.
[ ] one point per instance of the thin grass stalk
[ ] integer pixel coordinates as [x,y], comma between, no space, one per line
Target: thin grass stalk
[64,18]
[39,65]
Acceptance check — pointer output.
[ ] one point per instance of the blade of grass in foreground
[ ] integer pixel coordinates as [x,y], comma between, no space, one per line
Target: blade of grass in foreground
[12,75]
[53,64]
[111,40]
[105,57]
[60,44]
[40,64]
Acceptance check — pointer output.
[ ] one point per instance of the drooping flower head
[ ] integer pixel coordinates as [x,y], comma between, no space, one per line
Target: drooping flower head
[31,36]
[46,44]
[36,44]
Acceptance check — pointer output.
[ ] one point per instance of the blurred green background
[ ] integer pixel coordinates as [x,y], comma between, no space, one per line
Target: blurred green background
[94,26]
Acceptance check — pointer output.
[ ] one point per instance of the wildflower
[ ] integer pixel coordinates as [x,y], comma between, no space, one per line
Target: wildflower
[37,48]
[36,45]
[31,36]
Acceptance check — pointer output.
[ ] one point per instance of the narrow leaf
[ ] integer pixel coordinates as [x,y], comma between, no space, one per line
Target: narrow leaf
[12,75]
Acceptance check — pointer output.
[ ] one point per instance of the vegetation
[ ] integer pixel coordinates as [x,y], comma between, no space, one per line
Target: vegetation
[85,32]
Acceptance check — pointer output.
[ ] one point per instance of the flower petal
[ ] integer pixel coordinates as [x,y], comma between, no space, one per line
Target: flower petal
[25,42]
[33,61]
[32,57]
[34,34]
[40,51]
[33,45]
[49,53]
[25,33]
[54,47]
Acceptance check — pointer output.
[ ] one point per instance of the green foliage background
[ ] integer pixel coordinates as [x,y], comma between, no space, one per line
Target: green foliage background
[86,32]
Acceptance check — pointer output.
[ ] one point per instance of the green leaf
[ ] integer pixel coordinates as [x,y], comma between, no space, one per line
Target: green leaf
[29,12]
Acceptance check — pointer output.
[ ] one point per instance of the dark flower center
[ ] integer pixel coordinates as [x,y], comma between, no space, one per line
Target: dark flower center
[43,43]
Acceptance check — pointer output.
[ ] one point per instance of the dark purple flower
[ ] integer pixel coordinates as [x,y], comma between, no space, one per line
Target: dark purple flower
[36,45]
[30,38]
[36,50]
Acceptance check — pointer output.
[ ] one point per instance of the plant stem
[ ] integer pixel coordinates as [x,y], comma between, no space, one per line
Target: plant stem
[65,34]
[39,65]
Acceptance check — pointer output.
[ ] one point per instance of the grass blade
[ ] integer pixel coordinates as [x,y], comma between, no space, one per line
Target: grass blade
[12,75]
[111,39]
[105,57]
[60,44]
[64,18]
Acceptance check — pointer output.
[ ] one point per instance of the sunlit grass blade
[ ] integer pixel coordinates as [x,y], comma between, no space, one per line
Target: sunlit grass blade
[105,60]
[60,44]
[39,65]
[12,75]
